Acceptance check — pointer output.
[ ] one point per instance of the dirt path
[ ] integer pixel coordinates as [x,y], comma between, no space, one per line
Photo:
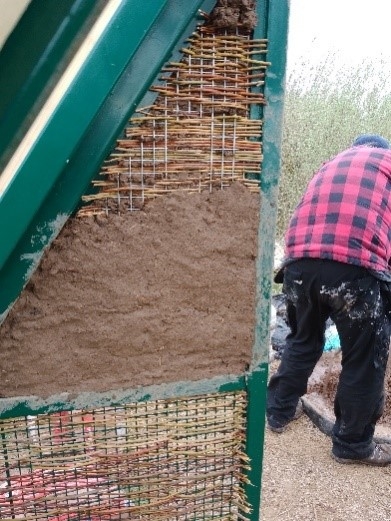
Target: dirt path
[302,482]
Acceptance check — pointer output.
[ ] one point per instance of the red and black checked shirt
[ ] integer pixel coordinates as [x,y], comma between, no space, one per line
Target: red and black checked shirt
[345,213]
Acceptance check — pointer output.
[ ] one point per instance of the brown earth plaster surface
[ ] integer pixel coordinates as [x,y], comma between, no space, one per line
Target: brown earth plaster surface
[161,295]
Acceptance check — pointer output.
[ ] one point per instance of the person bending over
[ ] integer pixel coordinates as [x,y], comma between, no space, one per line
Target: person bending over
[337,265]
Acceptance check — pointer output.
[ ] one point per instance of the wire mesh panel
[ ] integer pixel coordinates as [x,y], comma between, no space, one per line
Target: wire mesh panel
[158,460]
[198,133]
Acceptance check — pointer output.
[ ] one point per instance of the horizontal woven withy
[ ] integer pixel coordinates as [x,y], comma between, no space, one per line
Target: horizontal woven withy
[198,134]
[162,460]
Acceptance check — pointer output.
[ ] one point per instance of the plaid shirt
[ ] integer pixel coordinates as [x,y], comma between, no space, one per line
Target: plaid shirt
[345,213]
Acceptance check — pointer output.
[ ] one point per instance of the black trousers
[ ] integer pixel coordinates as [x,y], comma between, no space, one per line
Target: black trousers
[358,304]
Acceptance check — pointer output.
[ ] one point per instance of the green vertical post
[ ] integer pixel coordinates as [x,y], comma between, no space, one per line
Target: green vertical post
[273,25]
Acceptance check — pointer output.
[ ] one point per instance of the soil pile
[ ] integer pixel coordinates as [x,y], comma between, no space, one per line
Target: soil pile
[324,381]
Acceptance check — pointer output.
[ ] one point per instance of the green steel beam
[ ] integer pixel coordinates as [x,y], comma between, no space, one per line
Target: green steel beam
[84,128]
[273,24]
[33,405]
[33,56]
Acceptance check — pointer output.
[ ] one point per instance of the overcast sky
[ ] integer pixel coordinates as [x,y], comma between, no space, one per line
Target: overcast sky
[355,29]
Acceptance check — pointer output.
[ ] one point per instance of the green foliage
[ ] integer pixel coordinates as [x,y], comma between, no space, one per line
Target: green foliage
[325,109]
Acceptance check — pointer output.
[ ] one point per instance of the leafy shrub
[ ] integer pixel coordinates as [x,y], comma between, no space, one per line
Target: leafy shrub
[325,108]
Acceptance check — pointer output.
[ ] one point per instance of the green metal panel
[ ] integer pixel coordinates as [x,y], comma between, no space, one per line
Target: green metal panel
[33,56]
[69,153]
[273,24]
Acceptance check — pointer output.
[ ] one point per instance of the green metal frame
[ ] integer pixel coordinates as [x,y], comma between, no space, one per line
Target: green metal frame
[37,215]
[33,405]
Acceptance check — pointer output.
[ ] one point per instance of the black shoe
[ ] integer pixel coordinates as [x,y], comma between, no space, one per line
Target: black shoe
[277,427]
[380,457]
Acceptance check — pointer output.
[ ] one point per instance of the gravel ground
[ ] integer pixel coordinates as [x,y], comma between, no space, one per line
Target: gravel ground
[302,482]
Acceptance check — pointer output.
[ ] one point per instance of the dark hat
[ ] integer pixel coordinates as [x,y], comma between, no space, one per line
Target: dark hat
[371,140]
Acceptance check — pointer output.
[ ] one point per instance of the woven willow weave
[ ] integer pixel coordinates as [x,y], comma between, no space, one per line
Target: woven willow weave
[174,459]
[197,135]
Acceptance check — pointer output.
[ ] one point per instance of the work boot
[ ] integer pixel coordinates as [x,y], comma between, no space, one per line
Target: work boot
[277,427]
[380,457]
